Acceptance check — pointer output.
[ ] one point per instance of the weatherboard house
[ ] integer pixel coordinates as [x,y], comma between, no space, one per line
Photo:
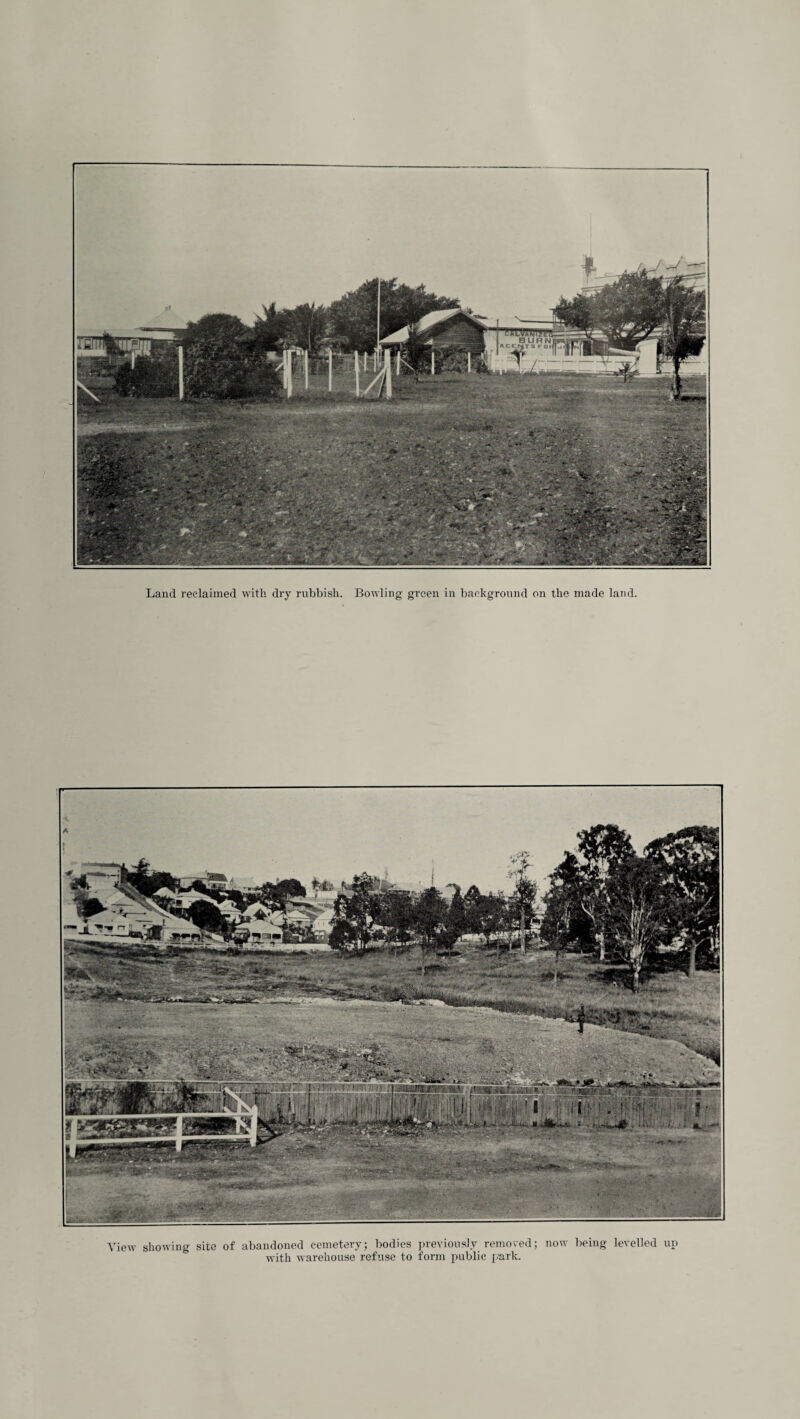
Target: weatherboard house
[504,343]
[96,343]
[454,329]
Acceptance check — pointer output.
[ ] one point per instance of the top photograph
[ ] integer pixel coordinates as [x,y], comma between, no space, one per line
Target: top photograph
[390,367]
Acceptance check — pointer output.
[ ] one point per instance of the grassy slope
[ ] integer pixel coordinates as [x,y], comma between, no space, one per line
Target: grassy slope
[669,1006]
[557,470]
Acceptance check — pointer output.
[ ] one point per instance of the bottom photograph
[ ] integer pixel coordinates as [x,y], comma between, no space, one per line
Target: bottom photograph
[381,1004]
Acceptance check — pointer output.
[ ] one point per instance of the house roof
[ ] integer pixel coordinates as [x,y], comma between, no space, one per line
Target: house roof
[515,322]
[434,320]
[97,331]
[167,319]
[247,884]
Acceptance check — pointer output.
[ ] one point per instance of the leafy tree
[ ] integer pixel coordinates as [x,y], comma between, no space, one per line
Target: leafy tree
[148,881]
[604,847]
[492,917]
[353,317]
[206,915]
[432,924]
[683,327]
[564,922]
[355,913]
[524,891]
[92,906]
[415,348]
[689,860]
[397,915]
[578,314]
[639,906]
[221,362]
[457,914]
[630,309]
[627,310]
[305,326]
[289,887]
[269,330]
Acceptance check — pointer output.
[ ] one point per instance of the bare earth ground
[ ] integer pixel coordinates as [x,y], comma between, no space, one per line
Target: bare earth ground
[318,1039]
[533,471]
[380,1175]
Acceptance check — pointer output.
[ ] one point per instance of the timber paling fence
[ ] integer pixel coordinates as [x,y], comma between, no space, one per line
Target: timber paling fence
[470,1105]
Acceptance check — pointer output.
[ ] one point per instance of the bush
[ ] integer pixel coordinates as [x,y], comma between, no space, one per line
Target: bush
[149,378]
[215,367]
[221,369]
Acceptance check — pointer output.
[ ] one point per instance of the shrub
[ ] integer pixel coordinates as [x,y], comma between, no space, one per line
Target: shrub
[218,368]
[134,1096]
[149,378]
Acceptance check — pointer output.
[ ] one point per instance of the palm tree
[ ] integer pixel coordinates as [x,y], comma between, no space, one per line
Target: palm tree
[683,329]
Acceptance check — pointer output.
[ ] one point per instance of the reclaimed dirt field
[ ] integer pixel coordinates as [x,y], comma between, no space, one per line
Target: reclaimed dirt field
[482,471]
[319,1039]
[380,1175]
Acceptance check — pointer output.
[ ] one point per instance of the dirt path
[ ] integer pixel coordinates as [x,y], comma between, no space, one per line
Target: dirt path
[342,1174]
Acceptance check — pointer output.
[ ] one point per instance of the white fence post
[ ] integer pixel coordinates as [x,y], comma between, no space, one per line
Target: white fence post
[397,362]
[469,362]
[254,1127]
[358,391]
[305,368]
[179,1133]
[180,372]
[330,371]
[387,365]
[433,360]
[73,1137]
[288,358]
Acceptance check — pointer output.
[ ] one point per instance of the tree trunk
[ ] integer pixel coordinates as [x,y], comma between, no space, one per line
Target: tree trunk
[636,970]
[601,942]
[676,386]
[692,959]
[522,931]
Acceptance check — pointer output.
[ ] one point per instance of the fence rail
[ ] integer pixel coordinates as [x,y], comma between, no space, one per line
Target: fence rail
[244,1117]
[471,1105]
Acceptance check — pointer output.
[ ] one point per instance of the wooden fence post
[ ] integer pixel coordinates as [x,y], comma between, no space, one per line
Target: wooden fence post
[254,1127]
[468,1103]
[288,358]
[330,371]
[178,1132]
[73,1137]
[397,362]
[180,372]
[305,368]
[358,390]
[433,360]
[469,362]
[387,365]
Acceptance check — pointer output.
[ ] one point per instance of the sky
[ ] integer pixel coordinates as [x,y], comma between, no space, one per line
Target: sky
[505,242]
[468,834]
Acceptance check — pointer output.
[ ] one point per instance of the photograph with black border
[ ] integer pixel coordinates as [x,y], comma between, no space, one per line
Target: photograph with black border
[452,1003]
[362,366]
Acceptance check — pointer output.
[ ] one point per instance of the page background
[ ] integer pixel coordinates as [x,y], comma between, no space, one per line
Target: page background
[692,682]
